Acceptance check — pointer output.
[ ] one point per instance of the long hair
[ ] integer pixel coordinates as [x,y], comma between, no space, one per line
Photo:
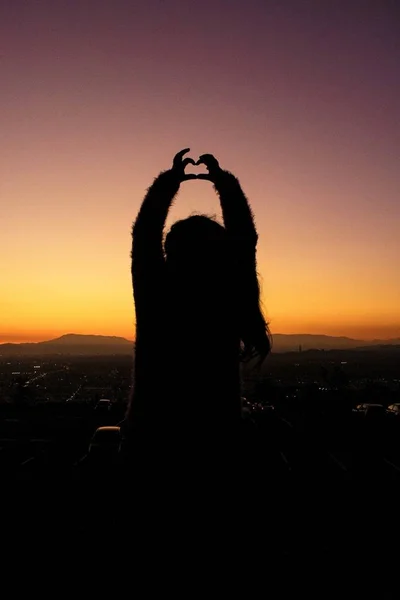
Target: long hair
[200,253]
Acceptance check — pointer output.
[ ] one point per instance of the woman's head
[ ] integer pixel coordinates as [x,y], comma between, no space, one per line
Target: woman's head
[196,244]
[207,270]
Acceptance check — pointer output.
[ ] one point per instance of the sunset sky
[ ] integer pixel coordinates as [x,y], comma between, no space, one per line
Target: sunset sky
[298,98]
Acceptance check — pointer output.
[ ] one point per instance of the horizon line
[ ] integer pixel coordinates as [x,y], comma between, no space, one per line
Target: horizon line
[133,340]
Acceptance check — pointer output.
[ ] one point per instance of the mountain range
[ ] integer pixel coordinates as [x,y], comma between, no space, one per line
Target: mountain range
[77,344]
[71,344]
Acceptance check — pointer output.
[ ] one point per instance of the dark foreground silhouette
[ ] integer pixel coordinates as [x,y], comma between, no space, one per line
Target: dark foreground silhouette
[238,514]
[197,310]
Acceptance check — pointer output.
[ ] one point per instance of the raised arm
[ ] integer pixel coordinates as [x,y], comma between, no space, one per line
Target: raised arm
[239,223]
[236,211]
[147,232]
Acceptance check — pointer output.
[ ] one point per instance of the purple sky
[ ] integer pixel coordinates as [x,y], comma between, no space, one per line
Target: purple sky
[298,98]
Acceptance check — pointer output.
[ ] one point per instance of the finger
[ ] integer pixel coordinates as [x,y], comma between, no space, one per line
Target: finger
[189,176]
[188,161]
[204,176]
[209,160]
[178,157]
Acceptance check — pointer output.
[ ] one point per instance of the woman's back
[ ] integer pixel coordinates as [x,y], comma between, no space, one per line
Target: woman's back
[193,309]
[192,369]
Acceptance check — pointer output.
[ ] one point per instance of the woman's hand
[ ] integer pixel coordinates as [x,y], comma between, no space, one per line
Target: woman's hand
[179,164]
[212,165]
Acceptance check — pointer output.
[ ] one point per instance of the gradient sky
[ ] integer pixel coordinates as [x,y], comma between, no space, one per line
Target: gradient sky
[300,99]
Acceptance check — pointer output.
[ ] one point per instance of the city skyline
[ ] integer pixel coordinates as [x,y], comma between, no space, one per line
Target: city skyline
[300,102]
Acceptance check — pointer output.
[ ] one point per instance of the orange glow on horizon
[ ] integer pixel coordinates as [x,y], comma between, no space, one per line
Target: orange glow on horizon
[77,279]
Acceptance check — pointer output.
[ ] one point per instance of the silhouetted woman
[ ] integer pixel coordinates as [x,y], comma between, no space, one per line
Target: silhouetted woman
[197,308]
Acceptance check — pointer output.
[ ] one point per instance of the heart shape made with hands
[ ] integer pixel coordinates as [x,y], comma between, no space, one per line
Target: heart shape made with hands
[208,160]
[197,170]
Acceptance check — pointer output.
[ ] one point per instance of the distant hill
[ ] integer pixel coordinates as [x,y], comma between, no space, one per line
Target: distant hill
[395,347]
[291,342]
[76,344]
[71,344]
[89,340]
